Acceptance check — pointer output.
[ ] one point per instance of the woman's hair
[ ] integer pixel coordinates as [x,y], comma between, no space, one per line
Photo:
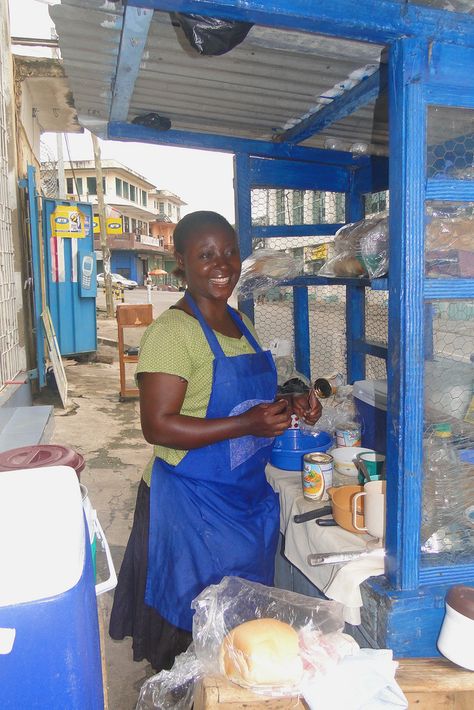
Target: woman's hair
[186,227]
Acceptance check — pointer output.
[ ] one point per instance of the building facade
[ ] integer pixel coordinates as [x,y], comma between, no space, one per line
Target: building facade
[147,216]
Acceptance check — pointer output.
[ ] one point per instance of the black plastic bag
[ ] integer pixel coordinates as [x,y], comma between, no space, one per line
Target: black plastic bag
[209,35]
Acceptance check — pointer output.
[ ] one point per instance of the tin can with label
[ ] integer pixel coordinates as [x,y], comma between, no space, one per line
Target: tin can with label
[317,475]
[348,434]
[327,386]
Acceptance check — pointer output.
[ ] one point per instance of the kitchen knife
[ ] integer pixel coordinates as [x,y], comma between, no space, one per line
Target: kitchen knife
[332,558]
[312,514]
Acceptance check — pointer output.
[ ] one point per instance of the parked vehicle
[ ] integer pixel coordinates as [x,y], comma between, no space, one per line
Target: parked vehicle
[117,279]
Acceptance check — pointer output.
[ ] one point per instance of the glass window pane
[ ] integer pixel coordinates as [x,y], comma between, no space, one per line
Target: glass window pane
[450,143]
[447,527]
[449,239]
[118,187]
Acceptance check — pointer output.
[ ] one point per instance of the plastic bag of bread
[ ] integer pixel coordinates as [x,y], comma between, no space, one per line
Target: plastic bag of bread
[252,634]
[348,259]
[265,269]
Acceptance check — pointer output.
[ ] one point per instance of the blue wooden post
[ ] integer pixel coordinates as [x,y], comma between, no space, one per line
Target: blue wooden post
[243,217]
[37,284]
[405,341]
[355,298]
[301,322]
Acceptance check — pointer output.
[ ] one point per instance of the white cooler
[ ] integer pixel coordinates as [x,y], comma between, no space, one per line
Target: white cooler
[49,634]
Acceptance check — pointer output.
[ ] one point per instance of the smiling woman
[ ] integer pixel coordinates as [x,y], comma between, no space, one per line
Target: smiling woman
[207,403]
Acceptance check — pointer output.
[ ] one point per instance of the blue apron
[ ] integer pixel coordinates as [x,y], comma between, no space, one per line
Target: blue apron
[215,514]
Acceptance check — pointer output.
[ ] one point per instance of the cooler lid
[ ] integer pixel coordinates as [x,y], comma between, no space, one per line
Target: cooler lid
[373,392]
[40,455]
[42,533]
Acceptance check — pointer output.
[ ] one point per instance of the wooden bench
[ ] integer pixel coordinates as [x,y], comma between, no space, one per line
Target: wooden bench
[428,683]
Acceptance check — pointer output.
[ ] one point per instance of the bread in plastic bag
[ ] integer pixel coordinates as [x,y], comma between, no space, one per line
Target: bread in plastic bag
[449,242]
[266,268]
[219,609]
[360,249]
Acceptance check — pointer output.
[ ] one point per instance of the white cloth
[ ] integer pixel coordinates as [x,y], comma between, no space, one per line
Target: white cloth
[363,681]
[339,582]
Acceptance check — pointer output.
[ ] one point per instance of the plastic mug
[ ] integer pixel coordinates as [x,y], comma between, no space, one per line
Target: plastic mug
[374,464]
[374,508]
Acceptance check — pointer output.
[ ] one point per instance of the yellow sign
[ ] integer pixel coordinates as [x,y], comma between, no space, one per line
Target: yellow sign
[113,225]
[68,221]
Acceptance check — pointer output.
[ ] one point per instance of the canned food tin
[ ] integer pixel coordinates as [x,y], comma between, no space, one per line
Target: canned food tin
[327,386]
[317,475]
[348,434]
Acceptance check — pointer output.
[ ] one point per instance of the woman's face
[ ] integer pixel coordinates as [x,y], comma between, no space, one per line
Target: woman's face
[211,262]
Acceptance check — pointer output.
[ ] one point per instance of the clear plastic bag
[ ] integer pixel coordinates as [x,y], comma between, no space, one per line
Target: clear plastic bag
[360,249]
[265,269]
[234,601]
[449,243]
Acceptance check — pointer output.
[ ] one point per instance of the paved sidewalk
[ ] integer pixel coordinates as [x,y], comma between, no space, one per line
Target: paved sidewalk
[107,433]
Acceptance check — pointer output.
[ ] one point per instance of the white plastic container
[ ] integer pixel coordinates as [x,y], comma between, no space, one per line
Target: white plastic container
[456,638]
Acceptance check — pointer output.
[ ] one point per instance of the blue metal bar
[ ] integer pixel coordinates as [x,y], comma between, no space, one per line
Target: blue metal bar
[428,328]
[449,288]
[121,131]
[301,321]
[375,284]
[136,23]
[344,105]
[37,286]
[405,340]
[452,190]
[355,299]
[243,218]
[377,21]
[369,347]
[298,176]
[372,177]
[450,66]
[449,95]
[296,230]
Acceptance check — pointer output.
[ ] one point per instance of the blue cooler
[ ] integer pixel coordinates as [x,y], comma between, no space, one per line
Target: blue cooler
[49,632]
[370,397]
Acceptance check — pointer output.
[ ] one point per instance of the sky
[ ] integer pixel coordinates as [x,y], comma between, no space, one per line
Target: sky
[203,179]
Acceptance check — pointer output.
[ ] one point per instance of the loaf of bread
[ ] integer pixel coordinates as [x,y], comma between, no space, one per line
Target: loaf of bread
[262,652]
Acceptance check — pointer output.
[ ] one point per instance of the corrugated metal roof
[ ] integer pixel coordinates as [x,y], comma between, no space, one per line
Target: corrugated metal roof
[264,86]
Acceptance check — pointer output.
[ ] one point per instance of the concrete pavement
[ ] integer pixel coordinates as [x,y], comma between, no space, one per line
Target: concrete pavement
[107,433]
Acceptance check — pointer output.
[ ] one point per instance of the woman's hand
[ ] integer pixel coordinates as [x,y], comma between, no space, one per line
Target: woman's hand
[267,419]
[306,406]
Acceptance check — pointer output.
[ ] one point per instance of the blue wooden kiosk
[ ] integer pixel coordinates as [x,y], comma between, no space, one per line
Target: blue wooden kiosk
[429,81]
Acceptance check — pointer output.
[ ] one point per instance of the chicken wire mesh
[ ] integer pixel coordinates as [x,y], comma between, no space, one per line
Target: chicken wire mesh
[327,304]
[447,533]
[450,143]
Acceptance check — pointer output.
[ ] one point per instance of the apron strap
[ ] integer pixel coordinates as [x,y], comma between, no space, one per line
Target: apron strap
[211,336]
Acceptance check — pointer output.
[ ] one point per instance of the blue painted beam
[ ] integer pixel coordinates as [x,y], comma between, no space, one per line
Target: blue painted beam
[405,410]
[355,297]
[301,323]
[136,23]
[121,131]
[296,230]
[449,288]
[298,176]
[372,177]
[243,218]
[452,190]
[342,106]
[370,347]
[375,284]
[376,21]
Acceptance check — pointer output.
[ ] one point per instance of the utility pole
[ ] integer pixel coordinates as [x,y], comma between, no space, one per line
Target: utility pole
[109,301]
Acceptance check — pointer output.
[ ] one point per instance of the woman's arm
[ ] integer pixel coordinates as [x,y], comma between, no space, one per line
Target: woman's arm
[161,399]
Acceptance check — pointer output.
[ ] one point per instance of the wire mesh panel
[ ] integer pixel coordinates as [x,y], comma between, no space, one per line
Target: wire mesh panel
[9,340]
[449,239]
[447,532]
[376,331]
[288,207]
[450,143]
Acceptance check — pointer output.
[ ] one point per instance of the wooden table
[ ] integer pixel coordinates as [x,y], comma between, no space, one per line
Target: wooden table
[428,683]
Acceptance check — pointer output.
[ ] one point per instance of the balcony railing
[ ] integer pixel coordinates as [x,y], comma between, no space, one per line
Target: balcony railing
[133,241]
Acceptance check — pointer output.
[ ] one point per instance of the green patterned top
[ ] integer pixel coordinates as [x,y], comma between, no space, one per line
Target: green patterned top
[175,344]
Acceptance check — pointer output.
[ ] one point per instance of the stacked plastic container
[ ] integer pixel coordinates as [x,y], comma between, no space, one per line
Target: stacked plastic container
[49,634]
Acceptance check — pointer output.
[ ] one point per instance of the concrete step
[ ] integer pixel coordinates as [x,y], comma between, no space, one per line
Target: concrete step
[26,426]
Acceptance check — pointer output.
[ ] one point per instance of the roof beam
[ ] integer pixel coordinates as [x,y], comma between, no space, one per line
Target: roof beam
[136,23]
[363,93]
[378,21]
[121,131]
